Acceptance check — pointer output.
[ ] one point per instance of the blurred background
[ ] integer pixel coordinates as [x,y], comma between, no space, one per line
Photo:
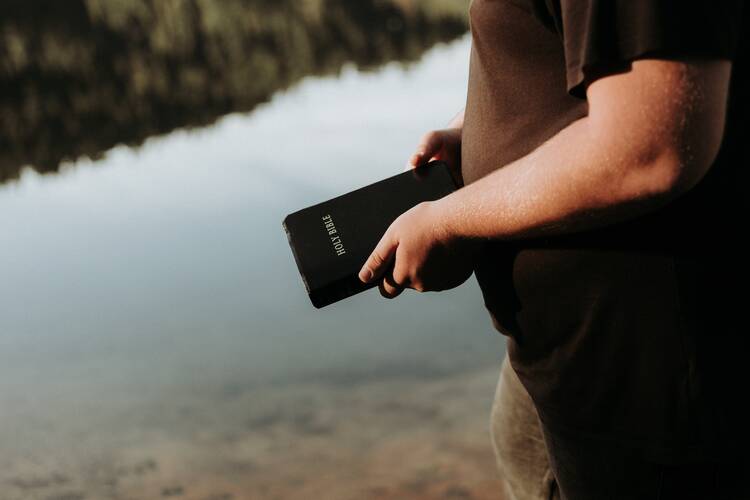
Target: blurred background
[155,337]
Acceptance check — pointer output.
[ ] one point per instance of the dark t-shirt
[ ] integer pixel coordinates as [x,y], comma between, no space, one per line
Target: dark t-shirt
[632,333]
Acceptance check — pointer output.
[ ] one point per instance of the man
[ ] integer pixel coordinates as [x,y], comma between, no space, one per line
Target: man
[601,150]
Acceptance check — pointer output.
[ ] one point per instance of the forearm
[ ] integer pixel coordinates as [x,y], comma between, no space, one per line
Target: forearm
[577,180]
[650,135]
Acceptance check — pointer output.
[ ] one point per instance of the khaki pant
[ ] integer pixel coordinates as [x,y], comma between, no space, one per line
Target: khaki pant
[518,441]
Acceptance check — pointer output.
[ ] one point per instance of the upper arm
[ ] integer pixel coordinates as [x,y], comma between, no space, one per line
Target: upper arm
[667,116]
[656,76]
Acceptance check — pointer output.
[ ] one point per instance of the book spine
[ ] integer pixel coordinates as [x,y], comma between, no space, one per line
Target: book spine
[297,260]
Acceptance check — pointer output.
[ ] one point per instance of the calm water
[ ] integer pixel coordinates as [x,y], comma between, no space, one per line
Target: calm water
[160,273]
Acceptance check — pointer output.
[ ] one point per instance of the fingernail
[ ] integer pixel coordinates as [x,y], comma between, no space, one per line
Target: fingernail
[365,274]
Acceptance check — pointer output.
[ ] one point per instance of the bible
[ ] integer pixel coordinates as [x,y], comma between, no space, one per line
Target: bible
[332,240]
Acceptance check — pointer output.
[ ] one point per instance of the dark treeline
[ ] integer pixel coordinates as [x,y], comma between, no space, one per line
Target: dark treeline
[78,77]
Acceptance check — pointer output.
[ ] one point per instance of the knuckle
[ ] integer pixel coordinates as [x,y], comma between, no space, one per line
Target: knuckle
[369,271]
[375,259]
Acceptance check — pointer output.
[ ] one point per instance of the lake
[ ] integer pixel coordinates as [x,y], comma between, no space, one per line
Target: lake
[156,339]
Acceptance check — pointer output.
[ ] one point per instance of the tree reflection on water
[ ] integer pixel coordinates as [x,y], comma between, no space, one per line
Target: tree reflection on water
[81,76]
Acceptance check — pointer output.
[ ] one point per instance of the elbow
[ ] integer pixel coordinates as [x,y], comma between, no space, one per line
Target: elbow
[665,174]
[662,123]
[663,177]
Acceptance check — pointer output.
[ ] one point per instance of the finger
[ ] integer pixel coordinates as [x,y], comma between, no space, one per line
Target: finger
[379,260]
[428,147]
[388,286]
[430,144]
[415,161]
[388,292]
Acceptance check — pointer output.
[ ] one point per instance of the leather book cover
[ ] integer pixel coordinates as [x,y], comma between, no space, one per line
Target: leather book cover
[333,239]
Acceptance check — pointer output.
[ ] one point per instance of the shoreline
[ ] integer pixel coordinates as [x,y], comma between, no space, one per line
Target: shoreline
[401,438]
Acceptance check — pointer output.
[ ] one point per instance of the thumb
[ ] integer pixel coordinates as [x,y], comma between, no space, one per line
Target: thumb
[379,260]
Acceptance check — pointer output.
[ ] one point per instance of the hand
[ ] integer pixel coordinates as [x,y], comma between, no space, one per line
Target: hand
[444,145]
[417,251]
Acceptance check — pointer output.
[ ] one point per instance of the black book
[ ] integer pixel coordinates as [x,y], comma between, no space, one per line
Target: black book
[332,240]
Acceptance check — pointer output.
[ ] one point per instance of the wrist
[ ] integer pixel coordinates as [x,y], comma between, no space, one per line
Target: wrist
[444,217]
[452,233]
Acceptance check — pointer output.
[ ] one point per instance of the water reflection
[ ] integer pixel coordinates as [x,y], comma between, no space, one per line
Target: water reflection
[80,76]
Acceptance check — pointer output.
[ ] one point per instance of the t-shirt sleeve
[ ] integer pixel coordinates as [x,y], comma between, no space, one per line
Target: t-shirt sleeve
[604,35]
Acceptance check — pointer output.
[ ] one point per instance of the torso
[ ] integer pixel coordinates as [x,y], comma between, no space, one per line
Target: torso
[607,329]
